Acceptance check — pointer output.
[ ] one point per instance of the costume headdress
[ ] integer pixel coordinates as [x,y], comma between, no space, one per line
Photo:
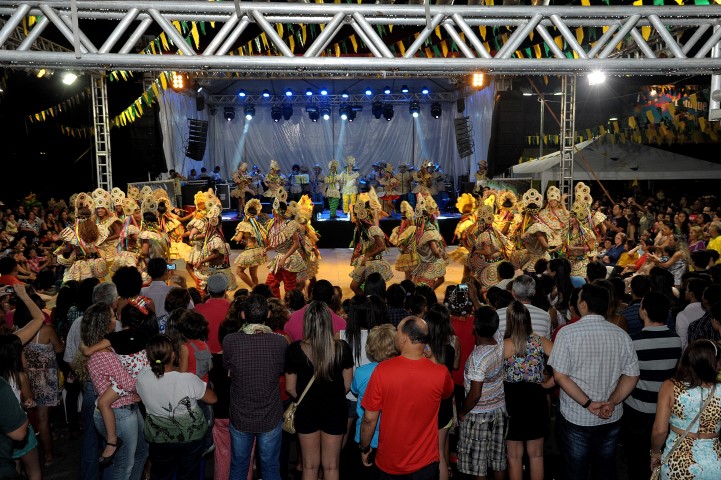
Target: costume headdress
[280,197]
[389,168]
[200,197]
[149,205]
[83,200]
[117,195]
[426,204]
[349,161]
[581,188]
[145,191]
[305,208]
[72,199]
[333,165]
[507,197]
[485,214]
[130,205]
[274,167]
[133,192]
[532,197]
[407,210]
[213,208]
[367,207]
[243,167]
[466,203]
[254,203]
[102,198]
[553,193]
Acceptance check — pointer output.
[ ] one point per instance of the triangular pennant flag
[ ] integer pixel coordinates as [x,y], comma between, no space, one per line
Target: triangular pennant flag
[195,34]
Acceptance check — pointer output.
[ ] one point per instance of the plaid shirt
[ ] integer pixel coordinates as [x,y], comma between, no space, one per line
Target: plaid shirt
[702,329]
[106,371]
[594,353]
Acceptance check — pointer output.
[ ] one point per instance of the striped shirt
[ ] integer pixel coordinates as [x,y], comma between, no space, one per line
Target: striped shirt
[540,321]
[486,365]
[658,350]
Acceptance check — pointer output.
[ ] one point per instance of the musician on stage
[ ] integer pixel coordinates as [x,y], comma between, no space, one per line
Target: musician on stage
[424,177]
[391,187]
[274,181]
[369,242]
[256,183]
[316,185]
[294,186]
[349,184]
[254,237]
[243,182]
[332,185]
[404,177]
[481,179]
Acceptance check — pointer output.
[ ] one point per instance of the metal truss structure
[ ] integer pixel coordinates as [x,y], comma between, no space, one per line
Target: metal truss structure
[101,124]
[568,137]
[332,99]
[460,23]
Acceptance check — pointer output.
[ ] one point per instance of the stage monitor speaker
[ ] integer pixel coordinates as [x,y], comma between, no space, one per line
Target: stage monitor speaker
[191,188]
[464,136]
[507,139]
[222,191]
[197,138]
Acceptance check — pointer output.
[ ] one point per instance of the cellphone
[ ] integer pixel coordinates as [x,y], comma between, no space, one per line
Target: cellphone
[462,287]
[8,289]
[171,266]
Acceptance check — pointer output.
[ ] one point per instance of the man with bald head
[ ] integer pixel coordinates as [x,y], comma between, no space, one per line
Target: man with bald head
[407,390]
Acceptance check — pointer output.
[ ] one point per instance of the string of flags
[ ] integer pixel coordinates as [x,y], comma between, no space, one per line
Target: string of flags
[62,107]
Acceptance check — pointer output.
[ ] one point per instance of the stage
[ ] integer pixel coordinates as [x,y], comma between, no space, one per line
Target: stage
[338,233]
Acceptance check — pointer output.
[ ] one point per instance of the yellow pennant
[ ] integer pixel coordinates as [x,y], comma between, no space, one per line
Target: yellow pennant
[616,127]
[645,32]
[537,50]
[438,32]
[632,122]
[586,3]
[649,115]
[559,42]
[579,35]
[390,27]
[154,86]
[671,108]
[337,50]
[177,26]
[264,39]
[291,43]
[530,35]
[444,48]
[163,81]
[701,123]
[164,42]
[519,54]
[152,48]
[304,31]
[482,30]
[545,79]
[429,53]
[195,35]
[124,75]
[279,27]
[354,42]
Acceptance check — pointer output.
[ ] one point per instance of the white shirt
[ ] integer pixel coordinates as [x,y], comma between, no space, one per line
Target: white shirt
[540,321]
[686,317]
[157,291]
[169,390]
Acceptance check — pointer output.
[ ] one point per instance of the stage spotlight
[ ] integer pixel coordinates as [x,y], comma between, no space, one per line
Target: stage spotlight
[387,90]
[69,78]
[369,91]
[249,111]
[229,113]
[344,111]
[377,109]
[436,110]
[425,91]
[242,94]
[596,77]
[323,91]
[266,94]
[287,110]
[478,80]
[404,89]
[289,93]
[275,113]
[177,82]
[351,115]
[313,115]
[415,109]
[344,94]
[41,73]
[309,92]
[212,109]
[388,112]
[325,112]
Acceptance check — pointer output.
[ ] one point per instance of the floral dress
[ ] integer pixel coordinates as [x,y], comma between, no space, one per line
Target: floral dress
[698,459]
[376,264]
[280,237]
[556,221]
[580,262]
[43,372]
[254,236]
[403,237]
[430,267]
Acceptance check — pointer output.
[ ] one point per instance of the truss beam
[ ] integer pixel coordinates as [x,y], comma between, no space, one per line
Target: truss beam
[568,137]
[101,122]
[459,22]
[300,99]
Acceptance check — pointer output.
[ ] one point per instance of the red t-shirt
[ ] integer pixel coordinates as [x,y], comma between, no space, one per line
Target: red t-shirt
[214,310]
[9,280]
[408,394]
[463,328]
[294,325]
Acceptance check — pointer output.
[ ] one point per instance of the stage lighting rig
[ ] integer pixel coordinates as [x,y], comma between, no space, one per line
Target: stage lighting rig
[325,112]
[242,93]
[178,82]
[344,111]
[377,109]
[249,111]
[425,91]
[415,109]
[229,113]
[275,113]
[287,110]
[388,112]
[436,110]
[313,115]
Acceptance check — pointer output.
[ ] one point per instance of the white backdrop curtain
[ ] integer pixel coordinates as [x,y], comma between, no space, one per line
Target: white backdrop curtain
[299,140]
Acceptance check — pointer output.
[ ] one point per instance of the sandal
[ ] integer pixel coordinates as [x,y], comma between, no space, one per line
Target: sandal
[105,461]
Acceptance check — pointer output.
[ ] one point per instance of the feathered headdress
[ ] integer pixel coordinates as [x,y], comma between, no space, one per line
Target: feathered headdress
[305,208]
[200,197]
[506,198]
[333,165]
[274,167]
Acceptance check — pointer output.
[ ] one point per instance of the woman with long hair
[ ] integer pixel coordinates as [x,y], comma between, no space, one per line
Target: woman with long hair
[613,314]
[524,354]
[695,239]
[691,400]
[321,418]
[560,270]
[444,350]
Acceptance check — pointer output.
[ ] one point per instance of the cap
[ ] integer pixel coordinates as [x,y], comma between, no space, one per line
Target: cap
[217,283]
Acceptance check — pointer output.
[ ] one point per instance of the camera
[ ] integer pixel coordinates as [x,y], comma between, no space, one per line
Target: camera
[171,266]
[463,287]
[8,290]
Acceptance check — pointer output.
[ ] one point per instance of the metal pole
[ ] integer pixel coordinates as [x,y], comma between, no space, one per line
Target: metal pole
[540,136]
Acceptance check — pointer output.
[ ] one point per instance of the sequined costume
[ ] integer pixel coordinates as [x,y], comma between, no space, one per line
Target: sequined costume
[215,251]
[555,217]
[309,236]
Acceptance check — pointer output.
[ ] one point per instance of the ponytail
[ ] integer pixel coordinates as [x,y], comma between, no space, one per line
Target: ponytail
[160,350]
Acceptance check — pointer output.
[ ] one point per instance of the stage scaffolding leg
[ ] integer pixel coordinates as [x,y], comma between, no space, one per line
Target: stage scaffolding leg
[101,123]
[714,111]
[568,137]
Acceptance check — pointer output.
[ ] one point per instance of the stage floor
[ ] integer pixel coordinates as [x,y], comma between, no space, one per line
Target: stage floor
[335,267]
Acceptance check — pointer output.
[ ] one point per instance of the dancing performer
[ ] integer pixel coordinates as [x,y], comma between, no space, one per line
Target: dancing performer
[254,237]
[171,224]
[154,242]
[580,243]
[508,220]
[596,219]
[105,216]
[284,237]
[466,205]
[79,253]
[309,237]
[481,179]
[195,231]
[391,189]
[332,188]
[118,197]
[403,238]
[274,181]
[242,185]
[215,251]
[129,245]
[555,217]
[349,182]
[489,249]
[424,179]
[317,185]
[430,245]
[534,234]
[295,187]
[369,241]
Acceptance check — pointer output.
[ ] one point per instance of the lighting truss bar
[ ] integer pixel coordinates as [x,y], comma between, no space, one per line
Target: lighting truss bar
[621,21]
[302,99]
[17,36]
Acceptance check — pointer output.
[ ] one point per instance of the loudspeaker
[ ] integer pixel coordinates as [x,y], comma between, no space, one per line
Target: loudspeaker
[461,105]
[507,140]
[222,191]
[199,103]
[464,133]
[145,146]
[197,137]
[191,188]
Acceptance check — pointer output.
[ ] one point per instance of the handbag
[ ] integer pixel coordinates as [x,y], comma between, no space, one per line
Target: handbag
[289,414]
[656,474]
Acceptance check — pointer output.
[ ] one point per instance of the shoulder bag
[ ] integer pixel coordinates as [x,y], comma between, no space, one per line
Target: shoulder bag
[656,474]
[289,414]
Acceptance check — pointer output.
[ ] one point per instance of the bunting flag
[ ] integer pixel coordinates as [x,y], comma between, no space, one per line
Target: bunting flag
[62,107]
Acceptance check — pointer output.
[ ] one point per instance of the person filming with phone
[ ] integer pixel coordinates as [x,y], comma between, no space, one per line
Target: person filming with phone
[158,288]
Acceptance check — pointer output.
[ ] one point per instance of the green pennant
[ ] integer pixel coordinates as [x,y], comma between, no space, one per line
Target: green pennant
[257,43]
[202,28]
[592,33]
[454,47]
[299,37]
[437,51]
[392,48]
[546,49]
[528,52]
[344,47]
[701,2]
[185,26]
[312,28]
[569,55]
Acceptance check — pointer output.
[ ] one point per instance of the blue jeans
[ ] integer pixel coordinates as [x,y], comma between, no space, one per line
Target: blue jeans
[268,445]
[130,459]
[90,442]
[176,460]
[587,449]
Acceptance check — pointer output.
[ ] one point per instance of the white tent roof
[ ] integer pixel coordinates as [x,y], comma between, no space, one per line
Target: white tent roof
[628,161]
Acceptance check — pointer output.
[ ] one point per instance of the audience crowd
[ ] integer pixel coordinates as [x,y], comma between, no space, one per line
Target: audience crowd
[392,383]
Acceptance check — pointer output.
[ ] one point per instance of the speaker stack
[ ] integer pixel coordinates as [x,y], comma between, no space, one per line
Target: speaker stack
[197,138]
[464,134]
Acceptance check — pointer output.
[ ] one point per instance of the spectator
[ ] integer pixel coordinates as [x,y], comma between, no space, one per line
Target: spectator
[461,307]
[700,261]
[658,350]
[523,290]
[194,355]
[592,359]
[703,327]
[498,299]
[175,426]
[714,232]
[692,393]
[693,311]
[176,298]
[375,285]
[321,419]
[506,272]
[526,403]
[396,298]
[405,427]
[294,300]
[8,271]
[612,315]
[560,270]
[483,418]
[215,309]
[322,292]
[418,305]
[13,428]
[379,310]
[695,239]
[594,271]
[254,357]
[618,223]
[614,253]
[640,286]
[158,289]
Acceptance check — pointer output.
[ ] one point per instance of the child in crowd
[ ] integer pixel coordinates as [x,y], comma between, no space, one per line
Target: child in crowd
[483,417]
